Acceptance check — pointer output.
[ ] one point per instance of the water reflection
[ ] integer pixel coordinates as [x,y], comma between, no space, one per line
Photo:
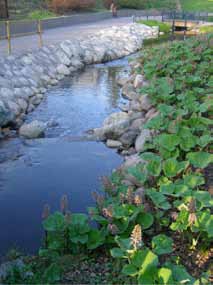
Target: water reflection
[36,172]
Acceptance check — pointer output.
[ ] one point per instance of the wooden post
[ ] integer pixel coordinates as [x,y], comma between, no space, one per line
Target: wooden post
[8,36]
[40,33]
[185,29]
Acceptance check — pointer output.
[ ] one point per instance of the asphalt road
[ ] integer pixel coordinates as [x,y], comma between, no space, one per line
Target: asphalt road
[52,36]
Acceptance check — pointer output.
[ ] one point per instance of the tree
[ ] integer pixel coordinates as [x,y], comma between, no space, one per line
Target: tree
[4,13]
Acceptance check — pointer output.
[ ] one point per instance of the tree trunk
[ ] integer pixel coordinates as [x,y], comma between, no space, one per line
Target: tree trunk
[4,14]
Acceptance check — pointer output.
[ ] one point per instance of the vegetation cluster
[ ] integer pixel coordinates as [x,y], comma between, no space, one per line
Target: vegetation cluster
[159,230]
[163,27]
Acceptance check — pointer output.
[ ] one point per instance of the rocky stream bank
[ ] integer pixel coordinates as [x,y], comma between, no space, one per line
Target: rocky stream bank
[25,79]
[125,130]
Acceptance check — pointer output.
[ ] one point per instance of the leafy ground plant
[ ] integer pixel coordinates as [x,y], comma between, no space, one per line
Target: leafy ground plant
[158,231]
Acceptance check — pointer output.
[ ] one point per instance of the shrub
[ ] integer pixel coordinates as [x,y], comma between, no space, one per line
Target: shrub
[206,29]
[41,14]
[64,5]
[165,28]
[146,4]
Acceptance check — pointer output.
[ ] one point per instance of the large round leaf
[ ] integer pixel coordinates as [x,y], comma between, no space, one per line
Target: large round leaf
[162,244]
[55,222]
[200,159]
[145,220]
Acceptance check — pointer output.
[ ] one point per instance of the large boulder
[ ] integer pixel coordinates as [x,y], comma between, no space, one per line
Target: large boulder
[122,80]
[63,69]
[128,138]
[128,92]
[5,114]
[139,80]
[113,127]
[32,130]
[141,140]
[113,144]
[131,161]
[116,118]
[145,102]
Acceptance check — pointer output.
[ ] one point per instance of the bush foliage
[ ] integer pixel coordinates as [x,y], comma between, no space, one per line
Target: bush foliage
[160,229]
[146,4]
[64,5]
[164,27]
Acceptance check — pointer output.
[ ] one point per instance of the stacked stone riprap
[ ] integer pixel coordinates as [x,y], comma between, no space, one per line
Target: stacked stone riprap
[125,130]
[25,78]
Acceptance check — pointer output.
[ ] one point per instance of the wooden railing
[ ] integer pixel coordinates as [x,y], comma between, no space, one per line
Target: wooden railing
[7,31]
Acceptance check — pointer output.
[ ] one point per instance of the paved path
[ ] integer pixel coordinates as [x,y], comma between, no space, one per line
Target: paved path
[52,36]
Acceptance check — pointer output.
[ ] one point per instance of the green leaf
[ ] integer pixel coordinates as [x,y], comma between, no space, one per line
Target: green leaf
[79,219]
[204,198]
[130,270]
[116,252]
[155,123]
[165,276]
[145,220]
[83,239]
[176,190]
[154,163]
[95,239]
[162,244]
[168,141]
[172,167]
[144,260]
[205,222]
[139,172]
[158,199]
[55,222]
[52,274]
[200,159]
[180,275]
[204,140]
[194,180]
[181,222]
[148,277]
[124,243]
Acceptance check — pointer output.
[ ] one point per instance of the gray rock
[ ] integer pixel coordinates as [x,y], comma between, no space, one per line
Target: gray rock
[151,114]
[122,80]
[141,140]
[6,115]
[131,161]
[137,124]
[128,138]
[63,69]
[7,267]
[113,131]
[14,107]
[32,130]
[139,80]
[22,104]
[145,103]
[128,92]
[116,118]
[135,106]
[113,144]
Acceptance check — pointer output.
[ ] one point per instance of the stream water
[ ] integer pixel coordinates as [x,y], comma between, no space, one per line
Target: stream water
[36,172]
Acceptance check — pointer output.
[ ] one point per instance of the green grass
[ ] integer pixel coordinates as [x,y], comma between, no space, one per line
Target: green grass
[153,4]
[206,29]
[165,28]
[197,5]
[40,15]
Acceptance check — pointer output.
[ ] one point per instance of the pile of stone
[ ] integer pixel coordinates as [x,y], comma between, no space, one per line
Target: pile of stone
[125,130]
[24,79]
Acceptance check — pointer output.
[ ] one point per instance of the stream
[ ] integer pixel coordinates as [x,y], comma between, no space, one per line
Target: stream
[38,172]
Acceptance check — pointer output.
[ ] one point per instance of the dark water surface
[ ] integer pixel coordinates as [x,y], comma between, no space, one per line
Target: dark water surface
[36,172]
